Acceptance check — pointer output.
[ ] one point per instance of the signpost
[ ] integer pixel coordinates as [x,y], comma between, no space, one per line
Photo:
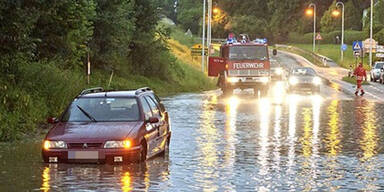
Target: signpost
[319,37]
[357,48]
[367,45]
[344,47]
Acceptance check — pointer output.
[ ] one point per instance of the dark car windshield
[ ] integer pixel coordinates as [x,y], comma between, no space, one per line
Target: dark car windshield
[248,52]
[379,65]
[102,109]
[303,72]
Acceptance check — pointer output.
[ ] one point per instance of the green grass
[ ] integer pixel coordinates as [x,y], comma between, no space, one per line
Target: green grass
[352,80]
[306,55]
[333,52]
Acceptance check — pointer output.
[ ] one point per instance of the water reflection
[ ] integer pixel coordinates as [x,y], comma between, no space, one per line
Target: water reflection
[46,177]
[236,144]
[126,182]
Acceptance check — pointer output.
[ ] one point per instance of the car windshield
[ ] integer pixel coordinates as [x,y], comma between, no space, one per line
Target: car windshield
[303,72]
[379,65]
[248,52]
[102,109]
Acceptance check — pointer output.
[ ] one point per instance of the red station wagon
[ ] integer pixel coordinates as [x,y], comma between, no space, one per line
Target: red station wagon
[109,127]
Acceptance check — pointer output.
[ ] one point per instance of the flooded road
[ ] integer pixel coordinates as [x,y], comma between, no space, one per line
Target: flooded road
[304,143]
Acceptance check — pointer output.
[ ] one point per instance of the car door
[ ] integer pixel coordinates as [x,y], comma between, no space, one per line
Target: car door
[152,132]
[162,125]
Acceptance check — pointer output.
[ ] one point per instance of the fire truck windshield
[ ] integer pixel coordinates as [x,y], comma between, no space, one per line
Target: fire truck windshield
[248,53]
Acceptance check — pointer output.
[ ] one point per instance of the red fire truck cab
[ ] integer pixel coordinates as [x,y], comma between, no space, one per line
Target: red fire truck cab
[242,65]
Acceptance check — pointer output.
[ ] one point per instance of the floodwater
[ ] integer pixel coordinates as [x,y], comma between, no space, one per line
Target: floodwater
[305,143]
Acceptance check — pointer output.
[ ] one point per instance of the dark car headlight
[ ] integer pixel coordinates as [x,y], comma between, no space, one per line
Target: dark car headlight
[54,145]
[316,81]
[126,144]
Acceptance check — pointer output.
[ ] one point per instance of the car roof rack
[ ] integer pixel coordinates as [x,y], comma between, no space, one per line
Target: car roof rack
[92,90]
[142,90]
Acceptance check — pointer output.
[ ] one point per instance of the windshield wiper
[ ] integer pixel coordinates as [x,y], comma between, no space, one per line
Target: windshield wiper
[86,114]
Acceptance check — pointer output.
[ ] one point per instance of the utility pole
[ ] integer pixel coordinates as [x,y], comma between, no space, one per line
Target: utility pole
[309,12]
[203,40]
[371,36]
[342,29]
[209,31]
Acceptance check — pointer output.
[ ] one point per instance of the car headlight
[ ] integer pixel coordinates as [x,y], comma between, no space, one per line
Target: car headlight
[54,145]
[278,71]
[293,81]
[232,79]
[316,81]
[118,144]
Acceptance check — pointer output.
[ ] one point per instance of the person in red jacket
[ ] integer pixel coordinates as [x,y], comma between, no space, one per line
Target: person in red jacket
[361,75]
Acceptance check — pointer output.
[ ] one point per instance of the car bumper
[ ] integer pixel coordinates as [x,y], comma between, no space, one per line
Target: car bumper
[109,156]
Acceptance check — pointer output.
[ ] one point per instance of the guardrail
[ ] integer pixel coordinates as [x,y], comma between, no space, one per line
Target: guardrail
[317,59]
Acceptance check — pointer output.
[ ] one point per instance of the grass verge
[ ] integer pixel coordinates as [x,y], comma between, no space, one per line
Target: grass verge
[352,80]
[42,89]
[332,51]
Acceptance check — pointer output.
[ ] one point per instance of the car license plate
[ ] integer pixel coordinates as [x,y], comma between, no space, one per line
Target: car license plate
[83,155]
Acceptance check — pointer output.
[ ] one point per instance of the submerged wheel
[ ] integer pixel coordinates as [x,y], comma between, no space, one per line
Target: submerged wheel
[143,152]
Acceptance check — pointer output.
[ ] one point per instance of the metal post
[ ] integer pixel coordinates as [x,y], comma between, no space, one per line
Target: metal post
[209,30]
[203,39]
[342,29]
[371,35]
[314,25]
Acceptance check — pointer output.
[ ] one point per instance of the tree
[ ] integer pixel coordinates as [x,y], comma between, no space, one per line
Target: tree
[328,22]
[114,28]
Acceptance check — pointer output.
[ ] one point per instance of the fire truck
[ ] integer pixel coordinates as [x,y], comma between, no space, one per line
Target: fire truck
[243,65]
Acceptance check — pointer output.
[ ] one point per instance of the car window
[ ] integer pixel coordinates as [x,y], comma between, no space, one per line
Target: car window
[146,109]
[379,65]
[155,109]
[157,101]
[102,109]
[304,72]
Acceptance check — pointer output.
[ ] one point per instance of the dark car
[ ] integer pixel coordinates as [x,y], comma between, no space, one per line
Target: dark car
[304,79]
[109,127]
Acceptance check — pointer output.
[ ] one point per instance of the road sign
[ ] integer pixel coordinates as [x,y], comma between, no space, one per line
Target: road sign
[357,45]
[380,49]
[196,50]
[367,45]
[319,37]
[344,47]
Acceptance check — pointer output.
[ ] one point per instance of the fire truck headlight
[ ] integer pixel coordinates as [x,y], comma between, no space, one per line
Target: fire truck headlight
[264,79]
[279,71]
[293,81]
[232,79]
[316,80]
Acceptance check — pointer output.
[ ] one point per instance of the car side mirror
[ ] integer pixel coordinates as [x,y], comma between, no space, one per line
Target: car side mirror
[153,120]
[52,120]
[274,52]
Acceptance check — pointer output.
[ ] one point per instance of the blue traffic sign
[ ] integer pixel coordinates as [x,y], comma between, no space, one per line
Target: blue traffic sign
[344,47]
[357,45]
